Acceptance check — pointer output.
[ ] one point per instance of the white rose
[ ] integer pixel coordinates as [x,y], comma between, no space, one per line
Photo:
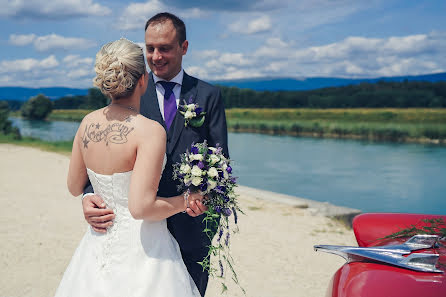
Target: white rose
[185,168]
[196,181]
[224,166]
[197,157]
[186,179]
[225,174]
[191,106]
[212,172]
[188,114]
[214,159]
[211,184]
[196,171]
[213,149]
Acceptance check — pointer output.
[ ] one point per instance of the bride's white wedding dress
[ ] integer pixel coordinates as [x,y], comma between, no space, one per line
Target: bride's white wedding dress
[134,258]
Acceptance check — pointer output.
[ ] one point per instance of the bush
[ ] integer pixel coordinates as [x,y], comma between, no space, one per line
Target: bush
[5,124]
[37,108]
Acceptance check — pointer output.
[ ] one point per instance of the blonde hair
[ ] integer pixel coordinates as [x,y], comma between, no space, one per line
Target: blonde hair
[119,65]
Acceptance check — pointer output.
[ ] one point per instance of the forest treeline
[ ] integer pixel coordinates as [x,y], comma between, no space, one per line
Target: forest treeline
[364,95]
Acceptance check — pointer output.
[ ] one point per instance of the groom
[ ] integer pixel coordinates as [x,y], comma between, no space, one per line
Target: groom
[169,86]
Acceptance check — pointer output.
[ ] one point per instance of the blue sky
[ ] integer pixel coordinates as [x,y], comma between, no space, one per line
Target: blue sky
[53,43]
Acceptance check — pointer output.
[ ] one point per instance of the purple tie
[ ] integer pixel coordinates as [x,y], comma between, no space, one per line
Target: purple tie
[170,104]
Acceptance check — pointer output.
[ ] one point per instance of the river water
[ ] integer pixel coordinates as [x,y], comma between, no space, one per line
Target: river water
[372,177]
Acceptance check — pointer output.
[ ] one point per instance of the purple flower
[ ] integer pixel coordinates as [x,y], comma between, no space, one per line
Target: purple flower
[229,169]
[198,110]
[220,234]
[227,212]
[194,150]
[191,100]
[200,165]
[220,189]
[233,180]
[226,198]
[218,209]
[227,239]
[204,187]
[209,152]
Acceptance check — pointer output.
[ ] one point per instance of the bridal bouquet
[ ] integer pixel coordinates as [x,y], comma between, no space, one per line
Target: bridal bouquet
[205,169]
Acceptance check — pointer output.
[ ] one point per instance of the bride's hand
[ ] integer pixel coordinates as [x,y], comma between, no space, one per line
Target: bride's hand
[196,206]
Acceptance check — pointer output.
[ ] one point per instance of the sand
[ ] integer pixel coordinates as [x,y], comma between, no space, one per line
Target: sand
[41,224]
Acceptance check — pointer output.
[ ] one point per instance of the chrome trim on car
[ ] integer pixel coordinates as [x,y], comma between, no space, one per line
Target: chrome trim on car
[392,254]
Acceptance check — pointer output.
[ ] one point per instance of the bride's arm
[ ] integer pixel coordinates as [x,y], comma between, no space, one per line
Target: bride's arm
[77,172]
[143,202]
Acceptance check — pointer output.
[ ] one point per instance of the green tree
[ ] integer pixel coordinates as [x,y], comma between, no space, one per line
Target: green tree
[37,108]
[95,99]
[5,124]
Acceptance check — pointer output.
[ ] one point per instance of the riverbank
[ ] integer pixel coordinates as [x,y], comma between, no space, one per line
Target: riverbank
[412,125]
[41,225]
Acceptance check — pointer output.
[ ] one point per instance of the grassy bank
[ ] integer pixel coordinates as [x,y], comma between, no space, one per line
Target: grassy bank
[53,146]
[380,124]
[75,115]
[402,125]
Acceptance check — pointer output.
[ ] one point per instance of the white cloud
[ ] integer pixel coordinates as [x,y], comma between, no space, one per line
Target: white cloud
[24,65]
[76,60]
[54,9]
[135,15]
[21,40]
[79,73]
[51,42]
[71,71]
[260,24]
[351,57]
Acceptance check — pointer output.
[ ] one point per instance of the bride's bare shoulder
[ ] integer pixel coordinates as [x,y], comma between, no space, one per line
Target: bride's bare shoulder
[149,126]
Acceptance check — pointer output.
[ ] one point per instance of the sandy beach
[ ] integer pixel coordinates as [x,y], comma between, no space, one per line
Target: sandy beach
[41,224]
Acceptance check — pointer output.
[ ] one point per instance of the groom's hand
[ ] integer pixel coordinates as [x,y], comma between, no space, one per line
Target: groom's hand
[196,208]
[96,214]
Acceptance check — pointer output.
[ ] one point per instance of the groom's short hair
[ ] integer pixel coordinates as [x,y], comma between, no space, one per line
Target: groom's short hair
[179,25]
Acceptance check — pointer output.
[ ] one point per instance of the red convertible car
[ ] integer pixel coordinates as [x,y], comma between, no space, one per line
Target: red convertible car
[411,262]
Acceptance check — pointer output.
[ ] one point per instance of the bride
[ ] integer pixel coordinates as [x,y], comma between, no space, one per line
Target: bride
[123,155]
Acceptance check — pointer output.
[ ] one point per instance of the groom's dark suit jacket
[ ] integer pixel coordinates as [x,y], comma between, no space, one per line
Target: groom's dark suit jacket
[187,230]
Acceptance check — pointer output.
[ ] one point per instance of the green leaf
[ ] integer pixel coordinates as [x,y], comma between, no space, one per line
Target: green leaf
[197,122]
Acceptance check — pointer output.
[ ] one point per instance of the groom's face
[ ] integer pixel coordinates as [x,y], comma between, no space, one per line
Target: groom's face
[164,53]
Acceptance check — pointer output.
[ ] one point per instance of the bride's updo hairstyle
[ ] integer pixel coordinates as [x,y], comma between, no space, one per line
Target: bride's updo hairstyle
[119,65]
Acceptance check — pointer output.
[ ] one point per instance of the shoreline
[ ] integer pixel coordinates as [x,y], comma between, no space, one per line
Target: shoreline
[365,137]
[41,225]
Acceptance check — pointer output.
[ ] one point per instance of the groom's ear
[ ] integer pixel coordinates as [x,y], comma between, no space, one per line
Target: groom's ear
[184,47]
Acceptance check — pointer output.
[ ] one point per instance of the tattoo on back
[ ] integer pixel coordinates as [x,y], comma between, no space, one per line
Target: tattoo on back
[112,133]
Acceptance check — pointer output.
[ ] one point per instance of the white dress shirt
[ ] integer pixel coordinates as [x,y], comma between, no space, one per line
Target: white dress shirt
[178,79]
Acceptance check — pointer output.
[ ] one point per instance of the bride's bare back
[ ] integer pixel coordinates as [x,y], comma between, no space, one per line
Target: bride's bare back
[109,139]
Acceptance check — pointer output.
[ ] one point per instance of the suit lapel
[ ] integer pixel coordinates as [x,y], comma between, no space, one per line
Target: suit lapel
[188,92]
[149,106]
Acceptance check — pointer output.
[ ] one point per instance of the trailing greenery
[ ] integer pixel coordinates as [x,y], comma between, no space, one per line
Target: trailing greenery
[436,226]
[373,95]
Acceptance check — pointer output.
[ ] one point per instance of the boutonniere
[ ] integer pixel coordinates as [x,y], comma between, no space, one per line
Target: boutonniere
[193,114]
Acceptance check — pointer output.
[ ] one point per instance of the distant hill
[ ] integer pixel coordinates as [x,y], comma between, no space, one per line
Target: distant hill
[293,84]
[258,84]
[23,94]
